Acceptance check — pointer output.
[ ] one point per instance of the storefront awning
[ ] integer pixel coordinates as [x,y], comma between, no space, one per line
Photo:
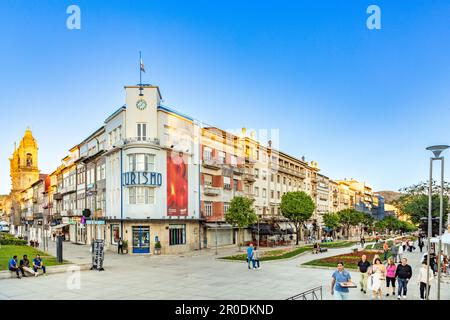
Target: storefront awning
[445,238]
[219,226]
[266,229]
[59,226]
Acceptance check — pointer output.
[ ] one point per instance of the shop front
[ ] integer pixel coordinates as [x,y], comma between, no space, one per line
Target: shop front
[177,236]
[141,239]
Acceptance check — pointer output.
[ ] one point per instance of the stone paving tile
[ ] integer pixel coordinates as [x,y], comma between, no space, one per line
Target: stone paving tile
[197,277]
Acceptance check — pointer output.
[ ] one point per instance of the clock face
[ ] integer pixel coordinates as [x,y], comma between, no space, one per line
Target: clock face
[141,104]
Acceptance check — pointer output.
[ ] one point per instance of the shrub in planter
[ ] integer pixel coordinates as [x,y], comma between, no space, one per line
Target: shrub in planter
[125,245]
[158,247]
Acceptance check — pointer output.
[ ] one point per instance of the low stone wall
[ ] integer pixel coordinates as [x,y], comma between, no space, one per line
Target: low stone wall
[50,270]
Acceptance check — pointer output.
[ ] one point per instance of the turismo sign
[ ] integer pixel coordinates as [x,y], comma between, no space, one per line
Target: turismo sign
[153,179]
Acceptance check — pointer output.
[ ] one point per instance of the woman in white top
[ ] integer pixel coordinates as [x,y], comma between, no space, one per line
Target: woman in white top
[378,273]
[422,279]
[400,252]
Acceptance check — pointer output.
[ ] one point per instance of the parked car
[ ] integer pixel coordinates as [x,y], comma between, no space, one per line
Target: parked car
[4,226]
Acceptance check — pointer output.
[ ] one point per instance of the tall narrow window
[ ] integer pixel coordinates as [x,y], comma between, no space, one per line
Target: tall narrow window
[207,153]
[149,162]
[222,157]
[141,131]
[208,208]
[132,162]
[29,160]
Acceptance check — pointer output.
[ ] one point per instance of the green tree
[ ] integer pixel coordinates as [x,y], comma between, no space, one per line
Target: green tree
[241,214]
[348,218]
[366,221]
[391,223]
[297,207]
[331,220]
[415,206]
[414,201]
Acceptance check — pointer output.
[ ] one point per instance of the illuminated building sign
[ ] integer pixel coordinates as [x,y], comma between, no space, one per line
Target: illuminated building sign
[153,179]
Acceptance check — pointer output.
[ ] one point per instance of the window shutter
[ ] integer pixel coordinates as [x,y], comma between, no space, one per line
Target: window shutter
[227,158]
[218,208]
[217,181]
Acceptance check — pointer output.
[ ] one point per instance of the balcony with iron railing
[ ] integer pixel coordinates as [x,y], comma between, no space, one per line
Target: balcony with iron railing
[141,140]
[293,172]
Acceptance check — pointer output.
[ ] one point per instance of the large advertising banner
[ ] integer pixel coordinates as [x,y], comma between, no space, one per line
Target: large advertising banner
[177,184]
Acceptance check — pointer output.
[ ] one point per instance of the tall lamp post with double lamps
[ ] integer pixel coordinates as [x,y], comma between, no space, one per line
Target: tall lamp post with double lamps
[437,150]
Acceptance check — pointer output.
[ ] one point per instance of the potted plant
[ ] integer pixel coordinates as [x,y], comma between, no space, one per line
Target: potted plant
[158,247]
[125,246]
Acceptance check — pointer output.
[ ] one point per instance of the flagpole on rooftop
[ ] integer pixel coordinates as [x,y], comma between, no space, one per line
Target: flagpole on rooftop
[140,74]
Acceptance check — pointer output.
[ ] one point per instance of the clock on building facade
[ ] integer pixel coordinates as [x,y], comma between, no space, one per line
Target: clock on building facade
[141,104]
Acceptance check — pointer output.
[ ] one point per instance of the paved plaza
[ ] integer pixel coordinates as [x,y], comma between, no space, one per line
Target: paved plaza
[197,275]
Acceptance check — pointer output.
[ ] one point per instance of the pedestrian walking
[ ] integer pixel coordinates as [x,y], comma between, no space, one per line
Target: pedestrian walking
[400,253]
[390,276]
[422,280]
[363,266]
[250,256]
[385,250]
[255,258]
[363,241]
[404,245]
[410,245]
[421,244]
[120,246]
[339,277]
[394,252]
[378,274]
[403,274]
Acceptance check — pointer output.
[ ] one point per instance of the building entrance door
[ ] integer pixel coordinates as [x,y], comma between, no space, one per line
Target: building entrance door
[141,239]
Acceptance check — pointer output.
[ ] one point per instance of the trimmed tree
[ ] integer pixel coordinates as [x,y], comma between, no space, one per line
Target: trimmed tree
[331,221]
[349,218]
[366,221]
[297,207]
[241,214]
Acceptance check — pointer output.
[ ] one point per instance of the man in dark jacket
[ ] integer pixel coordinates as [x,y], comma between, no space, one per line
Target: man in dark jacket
[403,274]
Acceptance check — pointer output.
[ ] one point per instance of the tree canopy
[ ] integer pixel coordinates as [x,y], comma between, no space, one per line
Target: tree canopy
[331,220]
[414,201]
[297,207]
[241,213]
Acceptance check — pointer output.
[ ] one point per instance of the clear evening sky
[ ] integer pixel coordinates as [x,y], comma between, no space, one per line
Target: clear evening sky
[362,103]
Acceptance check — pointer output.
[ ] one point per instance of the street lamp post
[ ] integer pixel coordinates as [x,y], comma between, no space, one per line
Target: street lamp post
[437,150]
[216,236]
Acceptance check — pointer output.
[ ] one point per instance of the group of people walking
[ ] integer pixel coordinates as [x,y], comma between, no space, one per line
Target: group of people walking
[253,257]
[372,276]
[393,273]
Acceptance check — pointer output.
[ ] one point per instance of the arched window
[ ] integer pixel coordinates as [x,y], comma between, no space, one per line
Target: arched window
[29,160]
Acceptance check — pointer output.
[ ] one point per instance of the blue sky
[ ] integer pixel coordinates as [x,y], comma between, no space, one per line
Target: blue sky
[362,103]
